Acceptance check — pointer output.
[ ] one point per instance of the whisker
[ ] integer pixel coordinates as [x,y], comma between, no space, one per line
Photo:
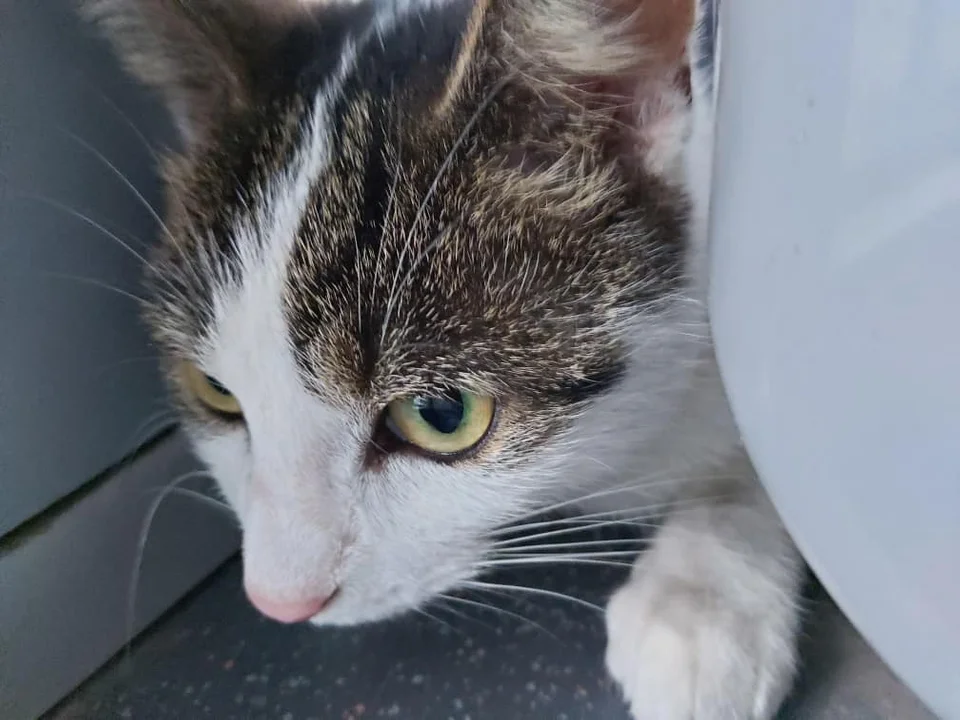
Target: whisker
[428,196]
[93,282]
[588,518]
[579,528]
[434,618]
[613,542]
[476,584]
[205,499]
[561,531]
[582,520]
[391,200]
[648,512]
[557,559]
[164,493]
[502,611]
[55,204]
[356,263]
[652,481]
[602,464]
[440,605]
[148,146]
[631,553]
[162,416]
[441,237]
[123,178]
[86,219]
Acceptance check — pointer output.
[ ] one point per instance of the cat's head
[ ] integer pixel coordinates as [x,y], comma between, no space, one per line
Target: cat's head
[423,269]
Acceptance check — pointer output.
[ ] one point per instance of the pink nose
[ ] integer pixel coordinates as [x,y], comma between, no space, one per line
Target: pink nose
[288,611]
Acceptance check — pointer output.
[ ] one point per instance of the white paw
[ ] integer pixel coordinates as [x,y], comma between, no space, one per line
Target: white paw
[680,650]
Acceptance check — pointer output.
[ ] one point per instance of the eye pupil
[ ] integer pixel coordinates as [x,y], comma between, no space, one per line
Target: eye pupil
[443,413]
[216,386]
[444,425]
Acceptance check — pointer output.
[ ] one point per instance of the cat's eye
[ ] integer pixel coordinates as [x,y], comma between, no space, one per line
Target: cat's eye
[211,393]
[445,424]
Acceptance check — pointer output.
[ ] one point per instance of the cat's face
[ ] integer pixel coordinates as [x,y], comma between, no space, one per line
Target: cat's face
[423,272]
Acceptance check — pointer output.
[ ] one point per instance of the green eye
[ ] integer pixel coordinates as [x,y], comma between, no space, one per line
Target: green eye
[445,424]
[210,392]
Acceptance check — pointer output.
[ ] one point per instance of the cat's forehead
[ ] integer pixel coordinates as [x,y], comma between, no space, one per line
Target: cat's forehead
[416,222]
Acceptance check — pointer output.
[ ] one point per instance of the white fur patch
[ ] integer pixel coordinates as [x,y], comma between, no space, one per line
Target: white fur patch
[705,628]
[288,545]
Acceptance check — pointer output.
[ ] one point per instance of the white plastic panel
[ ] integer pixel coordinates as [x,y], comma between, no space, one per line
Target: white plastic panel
[836,302]
[65,589]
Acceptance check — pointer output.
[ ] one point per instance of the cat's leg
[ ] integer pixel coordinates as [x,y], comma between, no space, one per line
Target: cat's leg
[705,629]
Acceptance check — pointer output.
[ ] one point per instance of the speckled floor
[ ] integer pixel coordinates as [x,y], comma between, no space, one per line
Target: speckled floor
[535,657]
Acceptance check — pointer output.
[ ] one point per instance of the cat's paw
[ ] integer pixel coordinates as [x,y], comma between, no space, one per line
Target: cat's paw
[683,651]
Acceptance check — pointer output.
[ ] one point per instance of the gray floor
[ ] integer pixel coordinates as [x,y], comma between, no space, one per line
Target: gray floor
[534,657]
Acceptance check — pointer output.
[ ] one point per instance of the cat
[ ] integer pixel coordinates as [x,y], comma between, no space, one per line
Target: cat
[429,266]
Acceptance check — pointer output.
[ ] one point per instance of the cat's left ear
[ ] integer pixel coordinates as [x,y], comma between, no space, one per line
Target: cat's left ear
[199,54]
[626,57]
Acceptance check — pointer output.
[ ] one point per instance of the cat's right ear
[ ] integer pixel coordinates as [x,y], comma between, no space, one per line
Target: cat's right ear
[199,54]
[628,58]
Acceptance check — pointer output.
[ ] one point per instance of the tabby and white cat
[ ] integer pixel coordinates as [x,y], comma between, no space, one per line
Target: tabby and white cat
[430,265]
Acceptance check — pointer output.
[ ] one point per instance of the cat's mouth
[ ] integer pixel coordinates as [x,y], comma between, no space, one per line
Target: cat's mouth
[344,613]
[357,603]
